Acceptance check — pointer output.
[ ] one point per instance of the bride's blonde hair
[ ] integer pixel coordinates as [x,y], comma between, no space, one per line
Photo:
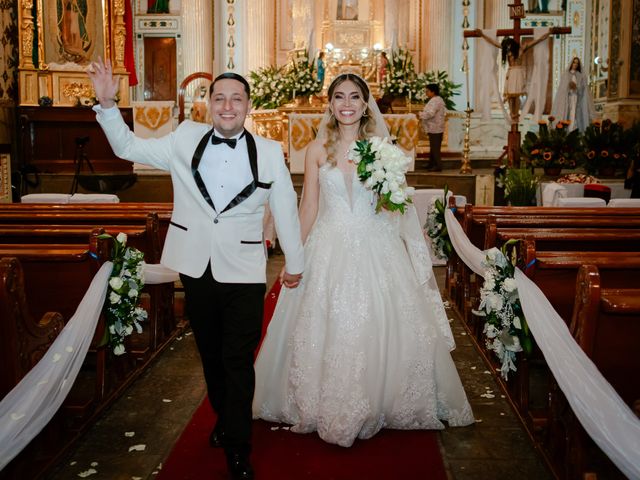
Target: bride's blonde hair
[367,123]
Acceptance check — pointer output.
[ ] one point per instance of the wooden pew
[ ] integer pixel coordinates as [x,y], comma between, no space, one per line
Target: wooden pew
[606,325]
[483,223]
[144,233]
[25,338]
[103,376]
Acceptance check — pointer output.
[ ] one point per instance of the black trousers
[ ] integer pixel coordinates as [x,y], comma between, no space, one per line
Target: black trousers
[226,319]
[435,143]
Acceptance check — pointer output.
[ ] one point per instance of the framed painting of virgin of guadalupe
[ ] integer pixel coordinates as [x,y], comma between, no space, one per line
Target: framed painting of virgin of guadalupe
[74,31]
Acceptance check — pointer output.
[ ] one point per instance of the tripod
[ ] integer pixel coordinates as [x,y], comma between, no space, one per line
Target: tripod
[80,157]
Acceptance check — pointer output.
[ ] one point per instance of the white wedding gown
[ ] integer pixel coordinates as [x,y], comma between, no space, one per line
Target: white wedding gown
[363,343]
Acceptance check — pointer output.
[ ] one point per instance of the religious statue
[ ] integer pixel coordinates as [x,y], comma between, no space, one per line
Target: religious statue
[573,101]
[383,66]
[347,10]
[73,35]
[320,66]
[516,81]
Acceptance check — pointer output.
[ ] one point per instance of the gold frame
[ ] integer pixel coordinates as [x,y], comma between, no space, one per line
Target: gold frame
[5,178]
[67,86]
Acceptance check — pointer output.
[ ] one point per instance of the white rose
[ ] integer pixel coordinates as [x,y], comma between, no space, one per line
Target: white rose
[397,197]
[494,301]
[516,323]
[393,186]
[114,297]
[378,175]
[133,293]
[128,330]
[115,283]
[409,191]
[510,284]
[118,349]
[122,238]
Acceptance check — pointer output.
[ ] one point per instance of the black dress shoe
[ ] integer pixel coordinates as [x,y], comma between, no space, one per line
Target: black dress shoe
[239,466]
[215,439]
[434,168]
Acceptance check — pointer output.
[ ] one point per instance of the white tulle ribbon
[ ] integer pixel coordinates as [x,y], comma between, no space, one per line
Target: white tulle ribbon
[27,409]
[601,411]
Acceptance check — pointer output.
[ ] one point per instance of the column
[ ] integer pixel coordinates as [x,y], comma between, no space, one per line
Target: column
[438,34]
[259,41]
[496,14]
[197,37]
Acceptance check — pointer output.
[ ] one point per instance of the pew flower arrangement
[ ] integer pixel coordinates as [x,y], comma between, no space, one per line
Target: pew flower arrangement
[505,329]
[436,228]
[123,295]
[382,166]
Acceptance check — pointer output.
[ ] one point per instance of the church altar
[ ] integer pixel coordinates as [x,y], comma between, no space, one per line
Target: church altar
[403,123]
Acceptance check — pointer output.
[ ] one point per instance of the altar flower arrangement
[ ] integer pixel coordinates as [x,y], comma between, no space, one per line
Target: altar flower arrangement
[551,148]
[402,80]
[300,77]
[382,166]
[436,228]
[505,329]
[400,74]
[605,146]
[267,87]
[123,295]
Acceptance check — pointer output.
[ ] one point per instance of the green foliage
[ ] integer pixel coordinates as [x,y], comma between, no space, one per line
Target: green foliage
[520,185]
[606,145]
[552,147]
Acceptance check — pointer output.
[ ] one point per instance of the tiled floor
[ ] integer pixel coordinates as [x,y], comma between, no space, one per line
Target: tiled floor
[158,406]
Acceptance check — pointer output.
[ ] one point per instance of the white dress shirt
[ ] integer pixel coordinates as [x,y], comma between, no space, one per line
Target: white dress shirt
[225,171]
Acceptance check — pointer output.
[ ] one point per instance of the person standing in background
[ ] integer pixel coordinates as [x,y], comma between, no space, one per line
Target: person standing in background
[433,122]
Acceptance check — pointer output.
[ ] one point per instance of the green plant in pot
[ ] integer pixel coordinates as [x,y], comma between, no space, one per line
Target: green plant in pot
[520,186]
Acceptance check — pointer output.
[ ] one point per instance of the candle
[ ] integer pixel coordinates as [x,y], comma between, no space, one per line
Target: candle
[466,73]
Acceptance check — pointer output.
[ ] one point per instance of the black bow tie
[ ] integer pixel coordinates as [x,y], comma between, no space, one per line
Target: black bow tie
[232,142]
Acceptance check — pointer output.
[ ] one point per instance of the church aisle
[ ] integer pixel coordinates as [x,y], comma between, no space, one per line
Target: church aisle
[158,406]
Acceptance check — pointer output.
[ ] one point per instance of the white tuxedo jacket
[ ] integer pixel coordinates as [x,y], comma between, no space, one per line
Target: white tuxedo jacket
[231,239]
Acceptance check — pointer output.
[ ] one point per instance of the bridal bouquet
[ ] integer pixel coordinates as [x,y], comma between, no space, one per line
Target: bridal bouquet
[506,329]
[382,167]
[123,296]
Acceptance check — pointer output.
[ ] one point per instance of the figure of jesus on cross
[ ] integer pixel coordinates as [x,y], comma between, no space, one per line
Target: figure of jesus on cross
[515,82]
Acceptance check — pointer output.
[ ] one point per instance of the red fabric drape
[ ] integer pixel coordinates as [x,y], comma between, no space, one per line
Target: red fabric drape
[129,59]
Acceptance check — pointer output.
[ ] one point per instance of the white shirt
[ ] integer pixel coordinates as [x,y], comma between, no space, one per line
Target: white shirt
[225,171]
[433,115]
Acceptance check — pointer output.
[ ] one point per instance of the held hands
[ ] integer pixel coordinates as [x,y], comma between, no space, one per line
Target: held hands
[289,280]
[104,83]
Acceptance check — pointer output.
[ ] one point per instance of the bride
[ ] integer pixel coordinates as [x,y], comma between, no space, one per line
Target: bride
[363,343]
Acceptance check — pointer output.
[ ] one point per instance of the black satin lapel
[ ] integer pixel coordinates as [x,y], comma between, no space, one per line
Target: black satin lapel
[253,162]
[195,162]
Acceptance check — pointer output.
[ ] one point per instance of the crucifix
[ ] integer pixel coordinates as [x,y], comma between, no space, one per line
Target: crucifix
[516,13]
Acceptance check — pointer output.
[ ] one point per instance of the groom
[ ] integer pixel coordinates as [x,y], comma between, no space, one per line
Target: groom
[222,178]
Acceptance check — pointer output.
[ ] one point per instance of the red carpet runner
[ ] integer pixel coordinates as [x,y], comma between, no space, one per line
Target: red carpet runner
[281,455]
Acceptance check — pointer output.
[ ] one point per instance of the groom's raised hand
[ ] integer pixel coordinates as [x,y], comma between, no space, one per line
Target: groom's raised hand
[104,83]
